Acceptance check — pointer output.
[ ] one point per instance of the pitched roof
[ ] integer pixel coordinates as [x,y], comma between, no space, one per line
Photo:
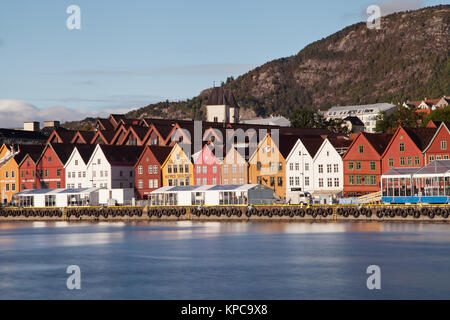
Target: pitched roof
[160,152]
[85,151]
[122,155]
[65,135]
[34,151]
[63,151]
[21,134]
[286,143]
[379,141]
[421,136]
[312,144]
[105,123]
[221,96]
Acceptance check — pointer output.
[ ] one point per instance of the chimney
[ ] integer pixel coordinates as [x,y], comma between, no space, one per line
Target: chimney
[31,126]
[51,124]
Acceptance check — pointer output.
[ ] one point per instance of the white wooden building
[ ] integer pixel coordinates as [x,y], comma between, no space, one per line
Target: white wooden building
[76,167]
[112,167]
[313,166]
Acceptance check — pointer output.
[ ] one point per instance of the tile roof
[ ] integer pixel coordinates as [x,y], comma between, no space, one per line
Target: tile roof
[122,155]
[421,136]
[379,141]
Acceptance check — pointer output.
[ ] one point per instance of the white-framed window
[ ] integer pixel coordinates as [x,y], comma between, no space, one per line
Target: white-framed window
[205,181]
[320,168]
[320,182]
[241,180]
[214,180]
[297,181]
[225,181]
[297,166]
[198,169]
[336,168]
[291,181]
[291,166]
[336,182]
[214,170]
[140,170]
[205,169]
[155,183]
[199,181]
[150,183]
[329,182]
[225,169]
[328,168]
[307,181]
[306,166]
[155,169]
[140,184]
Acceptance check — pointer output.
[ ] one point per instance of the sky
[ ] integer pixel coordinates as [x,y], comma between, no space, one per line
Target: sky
[131,53]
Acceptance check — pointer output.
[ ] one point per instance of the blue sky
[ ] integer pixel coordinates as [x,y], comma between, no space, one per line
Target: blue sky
[132,53]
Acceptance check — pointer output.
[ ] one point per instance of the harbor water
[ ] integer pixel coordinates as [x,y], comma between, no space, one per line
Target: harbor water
[226,260]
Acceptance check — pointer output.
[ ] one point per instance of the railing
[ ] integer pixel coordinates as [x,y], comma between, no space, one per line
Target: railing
[370,198]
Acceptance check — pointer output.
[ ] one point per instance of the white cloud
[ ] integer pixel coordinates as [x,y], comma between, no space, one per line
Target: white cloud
[14,112]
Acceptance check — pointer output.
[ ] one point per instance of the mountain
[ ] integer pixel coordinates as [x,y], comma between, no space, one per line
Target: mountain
[408,58]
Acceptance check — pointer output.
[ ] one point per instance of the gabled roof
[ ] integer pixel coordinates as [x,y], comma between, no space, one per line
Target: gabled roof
[104,124]
[121,155]
[85,136]
[34,151]
[62,151]
[85,151]
[379,141]
[443,126]
[107,136]
[221,96]
[21,134]
[312,144]
[64,135]
[159,152]
[421,136]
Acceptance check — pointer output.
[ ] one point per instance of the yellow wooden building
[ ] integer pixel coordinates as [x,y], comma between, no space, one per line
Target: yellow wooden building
[9,174]
[178,169]
[267,165]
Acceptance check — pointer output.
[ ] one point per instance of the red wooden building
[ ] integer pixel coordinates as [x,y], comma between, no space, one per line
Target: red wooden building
[438,148]
[406,148]
[50,165]
[148,169]
[28,177]
[206,167]
[362,163]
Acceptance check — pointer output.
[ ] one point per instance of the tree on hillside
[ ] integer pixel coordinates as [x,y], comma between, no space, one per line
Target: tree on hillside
[304,118]
[388,123]
[442,114]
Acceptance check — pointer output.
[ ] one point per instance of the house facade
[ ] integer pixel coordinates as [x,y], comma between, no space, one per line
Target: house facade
[148,169]
[112,167]
[234,168]
[438,148]
[178,169]
[206,167]
[406,148]
[28,176]
[9,175]
[76,167]
[50,166]
[362,163]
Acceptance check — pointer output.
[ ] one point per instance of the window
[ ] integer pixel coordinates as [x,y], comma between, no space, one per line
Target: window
[169,168]
[336,168]
[205,181]
[416,160]
[175,168]
[358,179]
[198,169]
[214,181]
[258,180]
[214,170]
[58,172]
[234,168]
[272,166]
[205,170]
[22,174]
[272,181]
[140,170]
[169,182]
[13,187]
[328,168]
[46,172]
[444,145]
[99,161]
[320,168]
[84,174]
[140,184]
[79,174]
[280,181]
[121,173]
[150,169]
[186,170]
[7,187]
[402,161]
[330,182]
[280,166]
[94,173]
[180,167]
[351,165]
[199,181]
[131,173]
[291,181]
[241,180]
[291,166]
[409,159]
[150,183]
[307,181]
[336,182]
[76,162]
[155,183]
[431,158]
[306,166]
[370,180]
[155,169]
[297,166]
[6,174]
[297,181]
[445,156]
[373,165]
[320,182]
[401,147]
[225,169]
[49,159]
[358,165]
[58,185]
[241,168]
[361,149]
[391,162]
